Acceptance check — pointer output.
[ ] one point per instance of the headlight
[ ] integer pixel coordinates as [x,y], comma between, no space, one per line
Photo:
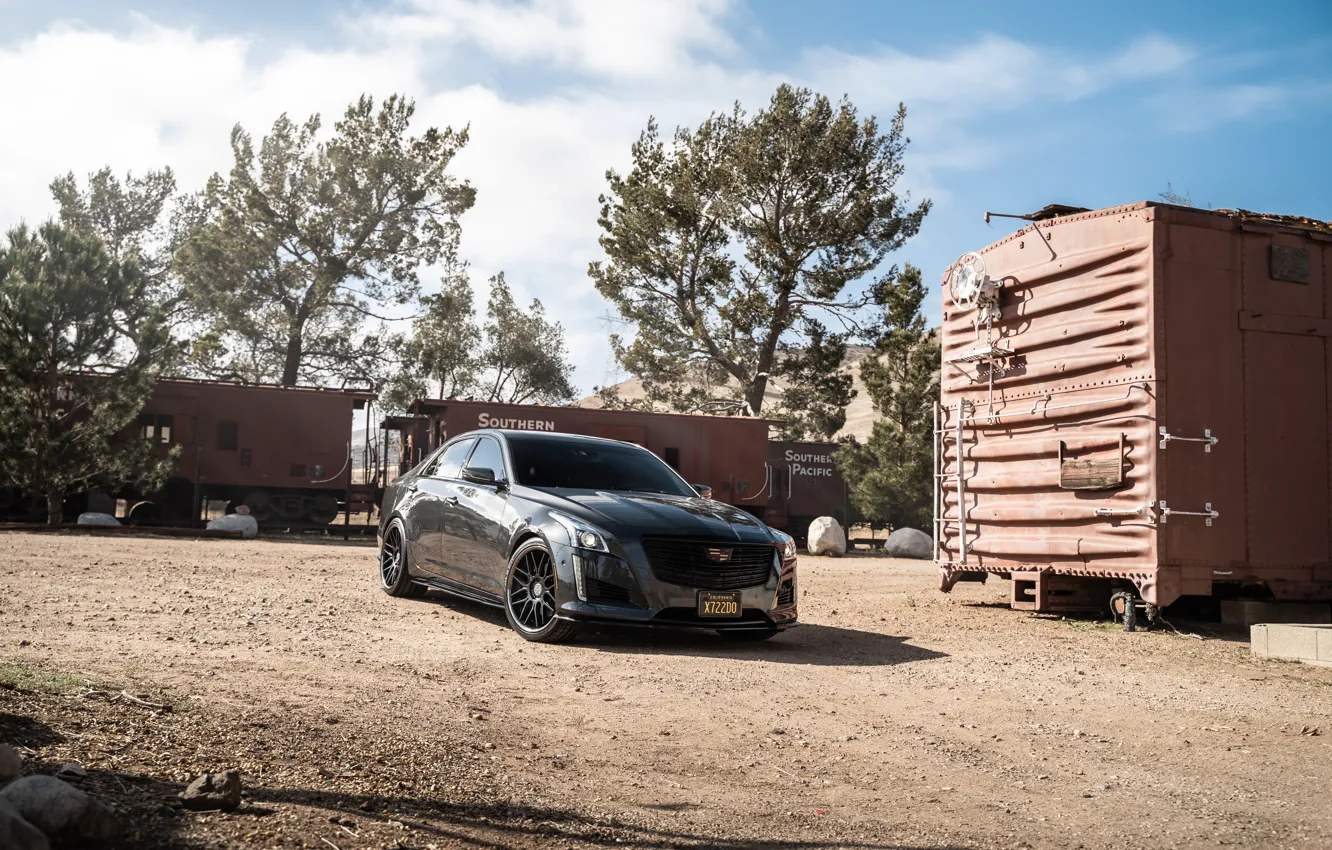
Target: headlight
[786,545]
[582,535]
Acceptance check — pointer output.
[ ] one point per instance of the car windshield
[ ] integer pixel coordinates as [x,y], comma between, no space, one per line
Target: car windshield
[588,465]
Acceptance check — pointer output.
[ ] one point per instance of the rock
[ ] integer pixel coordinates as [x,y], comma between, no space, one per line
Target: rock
[247,525]
[92,518]
[71,771]
[11,763]
[63,812]
[17,834]
[909,543]
[212,791]
[826,537]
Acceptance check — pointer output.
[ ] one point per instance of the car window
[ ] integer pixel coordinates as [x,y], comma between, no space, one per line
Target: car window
[487,455]
[452,460]
[545,462]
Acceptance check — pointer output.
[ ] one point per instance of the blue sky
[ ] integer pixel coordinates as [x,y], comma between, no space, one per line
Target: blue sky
[1010,106]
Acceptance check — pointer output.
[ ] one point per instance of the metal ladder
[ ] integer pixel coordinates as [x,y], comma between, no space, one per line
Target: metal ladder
[941,436]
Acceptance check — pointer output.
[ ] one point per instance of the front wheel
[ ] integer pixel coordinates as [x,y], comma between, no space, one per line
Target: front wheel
[394,577]
[529,596]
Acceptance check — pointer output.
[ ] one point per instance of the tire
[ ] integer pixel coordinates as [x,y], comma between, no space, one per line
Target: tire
[394,577]
[747,635]
[529,596]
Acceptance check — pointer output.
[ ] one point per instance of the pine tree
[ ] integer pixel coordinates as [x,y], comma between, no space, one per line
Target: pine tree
[891,474]
[724,241]
[73,375]
[306,238]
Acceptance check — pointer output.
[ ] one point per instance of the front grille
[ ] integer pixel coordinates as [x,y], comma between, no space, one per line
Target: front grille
[686,562]
[605,593]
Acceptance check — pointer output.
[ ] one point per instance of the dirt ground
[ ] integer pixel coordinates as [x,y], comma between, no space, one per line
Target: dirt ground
[895,716]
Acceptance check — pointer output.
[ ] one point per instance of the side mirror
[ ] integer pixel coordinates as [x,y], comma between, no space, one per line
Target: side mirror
[703,490]
[478,475]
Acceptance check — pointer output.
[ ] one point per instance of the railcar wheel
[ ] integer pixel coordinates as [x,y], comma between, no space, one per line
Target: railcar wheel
[394,577]
[529,596]
[1123,608]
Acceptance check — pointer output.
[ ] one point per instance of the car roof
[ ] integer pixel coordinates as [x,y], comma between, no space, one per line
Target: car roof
[561,436]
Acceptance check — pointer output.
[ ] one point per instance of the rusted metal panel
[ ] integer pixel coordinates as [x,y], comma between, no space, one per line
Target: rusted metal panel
[803,484]
[1287,448]
[1076,311]
[1149,405]
[238,435]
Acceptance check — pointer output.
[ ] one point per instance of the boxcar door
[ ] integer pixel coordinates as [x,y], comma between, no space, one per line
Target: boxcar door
[1285,404]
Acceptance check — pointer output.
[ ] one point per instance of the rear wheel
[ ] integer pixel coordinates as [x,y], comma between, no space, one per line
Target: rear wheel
[394,577]
[529,596]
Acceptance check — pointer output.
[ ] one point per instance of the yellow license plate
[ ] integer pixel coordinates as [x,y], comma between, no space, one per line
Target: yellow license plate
[717,604]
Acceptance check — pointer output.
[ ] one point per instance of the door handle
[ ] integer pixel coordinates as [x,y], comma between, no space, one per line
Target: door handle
[452,500]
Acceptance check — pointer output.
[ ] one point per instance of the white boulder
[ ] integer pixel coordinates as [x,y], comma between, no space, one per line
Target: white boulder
[247,525]
[909,543]
[94,518]
[826,537]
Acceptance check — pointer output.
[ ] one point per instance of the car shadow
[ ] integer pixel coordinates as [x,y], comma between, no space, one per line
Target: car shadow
[812,644]
[809,643]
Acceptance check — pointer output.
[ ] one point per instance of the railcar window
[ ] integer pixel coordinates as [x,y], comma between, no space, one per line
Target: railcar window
[227,436]
[544,462]
[673,458]
[145,424]
[165,423]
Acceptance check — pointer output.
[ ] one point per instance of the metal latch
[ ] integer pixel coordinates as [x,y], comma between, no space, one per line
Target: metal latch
[1206,511]
[1207,438]
[1138,511]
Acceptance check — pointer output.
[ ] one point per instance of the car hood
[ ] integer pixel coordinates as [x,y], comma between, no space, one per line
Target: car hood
[636,514]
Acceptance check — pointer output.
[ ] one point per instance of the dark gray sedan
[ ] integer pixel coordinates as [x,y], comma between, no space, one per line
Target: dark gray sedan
[561,530]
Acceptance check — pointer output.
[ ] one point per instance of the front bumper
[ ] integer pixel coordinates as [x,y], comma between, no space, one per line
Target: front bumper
[641,599]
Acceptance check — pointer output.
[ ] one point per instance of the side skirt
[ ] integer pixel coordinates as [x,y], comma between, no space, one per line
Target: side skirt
[471,594]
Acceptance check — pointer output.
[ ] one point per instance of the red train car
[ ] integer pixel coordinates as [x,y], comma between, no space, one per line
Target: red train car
[804,484]
[727,453]
[283,451]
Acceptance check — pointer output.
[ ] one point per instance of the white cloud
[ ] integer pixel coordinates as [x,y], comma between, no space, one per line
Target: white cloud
[594,70]
[602,37]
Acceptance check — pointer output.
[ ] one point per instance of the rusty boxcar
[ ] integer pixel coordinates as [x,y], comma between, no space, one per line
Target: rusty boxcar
[727,453]
[1134,408]
[283,451]
[803,484]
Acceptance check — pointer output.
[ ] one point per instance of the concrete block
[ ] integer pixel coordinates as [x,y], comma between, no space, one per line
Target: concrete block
[1246,612]
[1311,644]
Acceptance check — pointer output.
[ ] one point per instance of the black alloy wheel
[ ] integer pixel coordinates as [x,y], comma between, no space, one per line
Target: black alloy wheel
[529,595]
[394,577]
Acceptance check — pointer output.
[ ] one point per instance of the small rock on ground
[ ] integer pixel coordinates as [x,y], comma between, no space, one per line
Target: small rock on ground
[212,791]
